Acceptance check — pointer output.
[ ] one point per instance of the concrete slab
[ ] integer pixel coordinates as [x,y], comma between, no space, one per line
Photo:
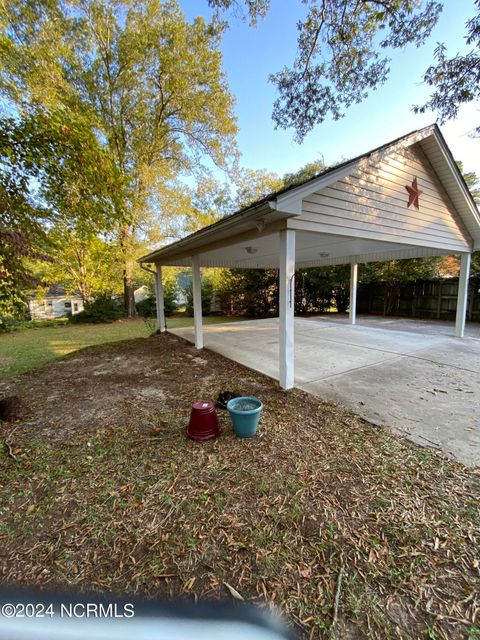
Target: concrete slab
[412,376]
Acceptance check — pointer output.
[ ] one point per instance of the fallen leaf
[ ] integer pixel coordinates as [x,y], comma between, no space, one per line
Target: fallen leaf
[233,592]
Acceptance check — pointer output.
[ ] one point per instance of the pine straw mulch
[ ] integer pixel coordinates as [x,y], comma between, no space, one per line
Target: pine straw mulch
[106,492]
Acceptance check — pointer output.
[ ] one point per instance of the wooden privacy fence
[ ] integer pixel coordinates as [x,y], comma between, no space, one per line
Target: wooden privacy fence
[421,299]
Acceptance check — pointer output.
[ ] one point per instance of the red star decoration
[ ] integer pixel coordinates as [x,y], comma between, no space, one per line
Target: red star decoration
[413,194]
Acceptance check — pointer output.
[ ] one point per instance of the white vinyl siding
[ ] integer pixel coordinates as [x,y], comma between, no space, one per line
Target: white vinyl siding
[372,203]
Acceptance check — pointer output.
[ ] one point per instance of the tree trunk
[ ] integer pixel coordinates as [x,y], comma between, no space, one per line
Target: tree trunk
[390,297]
[128,273]
[129,289]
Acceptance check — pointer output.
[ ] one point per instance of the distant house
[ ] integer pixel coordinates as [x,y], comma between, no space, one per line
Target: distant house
[184,283]
[55,304]
[141,293]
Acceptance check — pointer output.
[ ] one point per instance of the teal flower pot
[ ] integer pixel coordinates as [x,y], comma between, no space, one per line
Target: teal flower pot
[245,413]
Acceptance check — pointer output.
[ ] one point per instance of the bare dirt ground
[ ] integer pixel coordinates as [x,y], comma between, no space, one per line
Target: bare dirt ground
[100,489]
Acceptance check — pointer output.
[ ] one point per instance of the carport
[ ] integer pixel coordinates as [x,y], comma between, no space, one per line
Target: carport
[405,199]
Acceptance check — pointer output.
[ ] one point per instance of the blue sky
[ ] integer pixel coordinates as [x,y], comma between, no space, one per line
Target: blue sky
[251,54]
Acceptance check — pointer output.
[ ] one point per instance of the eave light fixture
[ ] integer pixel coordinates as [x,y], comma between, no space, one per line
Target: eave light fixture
[323,254]
[251,250]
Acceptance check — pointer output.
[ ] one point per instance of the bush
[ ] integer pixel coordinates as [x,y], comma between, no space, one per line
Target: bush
[254,292]
[102,309]
[148,308]
[9,323]
[207,294]
[250,292]
[17,325]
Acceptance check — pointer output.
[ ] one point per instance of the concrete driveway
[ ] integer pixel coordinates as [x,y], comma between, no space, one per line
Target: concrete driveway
[410,375]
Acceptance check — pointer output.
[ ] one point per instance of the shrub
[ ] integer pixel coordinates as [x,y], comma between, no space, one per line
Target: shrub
[148,308]
[103,309]
[17,325]
[207,294]
[254,292]
[170,293]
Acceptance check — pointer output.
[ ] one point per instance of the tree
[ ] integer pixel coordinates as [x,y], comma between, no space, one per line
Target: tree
[393,273]
[339,55]
[81,262]
[20,238]
[209,201]
[50,171]
[254,184]
[21,230]
[455,81]
[251,292]
[472,181]
[309,170]
[126,68]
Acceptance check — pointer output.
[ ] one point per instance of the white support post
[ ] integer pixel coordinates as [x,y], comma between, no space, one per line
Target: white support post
[197,301]
[462,295]
[160,303]
[352,313]
[287,308]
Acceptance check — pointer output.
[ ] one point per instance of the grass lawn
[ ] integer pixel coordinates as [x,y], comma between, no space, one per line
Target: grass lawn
[320,512]
[27,349]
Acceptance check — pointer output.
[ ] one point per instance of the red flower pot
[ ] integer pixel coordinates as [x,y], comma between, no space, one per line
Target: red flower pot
[203,423]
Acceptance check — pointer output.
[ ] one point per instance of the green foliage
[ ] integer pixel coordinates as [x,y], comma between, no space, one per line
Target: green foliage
[472,181]
[207,295]
[254,292]
[251,292]
[339,58]
[475,266]
[255,8]
[148,308]
[254,184]
[124,70]
[51,172]
[103,309]
[313,291]
[11,321]
[309,170]
[455,80]
[318,289]
[393,273]
[170,293]
[81,261]
[19,325]
[21,231]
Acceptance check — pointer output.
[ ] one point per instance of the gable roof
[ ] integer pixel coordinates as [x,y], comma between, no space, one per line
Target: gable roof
[287,202]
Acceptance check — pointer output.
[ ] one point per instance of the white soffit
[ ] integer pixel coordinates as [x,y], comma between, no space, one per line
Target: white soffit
[312,249]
